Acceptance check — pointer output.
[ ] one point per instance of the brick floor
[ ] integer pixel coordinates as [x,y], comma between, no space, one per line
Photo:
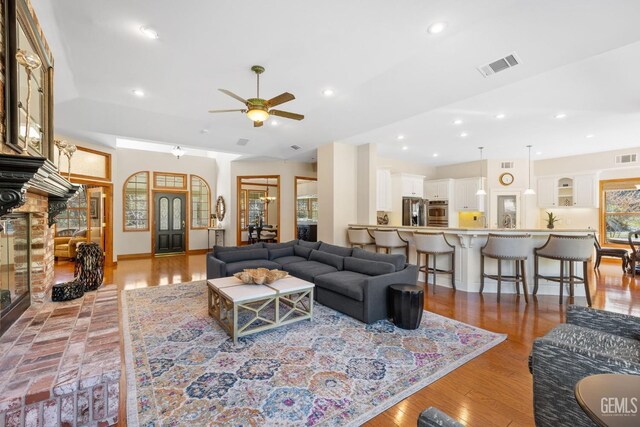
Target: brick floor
[60,363]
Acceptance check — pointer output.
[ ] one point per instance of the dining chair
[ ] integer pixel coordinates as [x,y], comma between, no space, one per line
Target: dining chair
[634,256]
[623,254]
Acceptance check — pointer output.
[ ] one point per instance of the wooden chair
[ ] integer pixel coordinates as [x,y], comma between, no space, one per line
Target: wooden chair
[623,254]
[634,256]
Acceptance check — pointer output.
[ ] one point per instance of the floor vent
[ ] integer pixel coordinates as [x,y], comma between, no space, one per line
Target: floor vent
[501,64]
[295,147]
[506,165]
[626,158]
[242,142]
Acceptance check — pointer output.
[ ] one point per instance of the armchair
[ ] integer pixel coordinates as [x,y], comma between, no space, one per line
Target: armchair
[591,342]
[66,247]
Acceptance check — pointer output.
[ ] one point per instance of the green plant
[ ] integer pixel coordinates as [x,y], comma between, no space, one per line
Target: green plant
[551,219]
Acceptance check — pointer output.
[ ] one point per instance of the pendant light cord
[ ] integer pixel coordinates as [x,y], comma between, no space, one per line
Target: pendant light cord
[529,147]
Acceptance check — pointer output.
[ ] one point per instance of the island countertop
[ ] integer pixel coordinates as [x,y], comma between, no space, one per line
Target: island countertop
[476,231]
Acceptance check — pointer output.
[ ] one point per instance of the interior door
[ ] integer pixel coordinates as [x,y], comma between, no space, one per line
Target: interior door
[169,219]
[96,216]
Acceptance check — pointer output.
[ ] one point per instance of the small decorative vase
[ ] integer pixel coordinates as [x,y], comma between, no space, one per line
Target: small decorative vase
[550,226]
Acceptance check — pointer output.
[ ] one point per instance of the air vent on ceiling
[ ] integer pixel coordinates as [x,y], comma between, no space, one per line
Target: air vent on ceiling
[295,147]
[501,64]
[242,142]
[626,158]
[506,165]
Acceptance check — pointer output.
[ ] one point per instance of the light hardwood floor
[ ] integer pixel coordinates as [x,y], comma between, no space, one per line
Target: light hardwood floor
[494,389]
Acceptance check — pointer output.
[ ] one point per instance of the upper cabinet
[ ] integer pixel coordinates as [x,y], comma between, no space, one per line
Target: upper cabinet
[577,191]
[412,185]
[383,185]
[440,189]
[465,195]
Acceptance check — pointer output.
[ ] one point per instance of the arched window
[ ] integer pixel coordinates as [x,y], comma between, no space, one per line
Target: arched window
[200,203]
[135,204]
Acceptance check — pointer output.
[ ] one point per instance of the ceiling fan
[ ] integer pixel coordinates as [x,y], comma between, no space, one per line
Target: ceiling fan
[258,109]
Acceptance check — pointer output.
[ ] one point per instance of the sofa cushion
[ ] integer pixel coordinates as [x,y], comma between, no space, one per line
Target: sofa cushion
[310,245]
[220,249]
[336,261]
[244,255]
[236,267]
[347,283]
[302,251]
[288,260]
[596,341]
[398,260]
[281,252]
[288,244]
[371,268]
[336,250]
[308,270]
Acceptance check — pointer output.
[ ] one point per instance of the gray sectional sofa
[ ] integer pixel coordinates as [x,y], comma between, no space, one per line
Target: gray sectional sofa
[352,281]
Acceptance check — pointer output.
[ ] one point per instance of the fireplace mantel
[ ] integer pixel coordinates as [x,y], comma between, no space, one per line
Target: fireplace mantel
[37,174]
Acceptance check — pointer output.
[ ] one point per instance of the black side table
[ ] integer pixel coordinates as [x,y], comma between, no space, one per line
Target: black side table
[407,302]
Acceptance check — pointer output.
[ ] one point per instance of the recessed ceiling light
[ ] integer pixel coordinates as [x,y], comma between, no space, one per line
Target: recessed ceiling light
[561,115]
[457,122]
[274,123]
[500,116]
[400,137]
[149,32]
[590,136]
[204,131]
[435,154]
[138,92]
[405,148]
[327,92]
[538,153]
[464,135]
[437,27]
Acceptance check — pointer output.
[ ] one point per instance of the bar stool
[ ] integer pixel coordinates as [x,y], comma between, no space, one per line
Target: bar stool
[389,240]
[569,249]
[359,237]
[511,248]
[434,244]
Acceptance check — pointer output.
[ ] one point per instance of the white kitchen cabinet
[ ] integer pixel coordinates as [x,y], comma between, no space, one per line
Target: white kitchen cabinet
[412,185]
[567,191]
[547,192]
[438,189]
[465,195]
[383,186]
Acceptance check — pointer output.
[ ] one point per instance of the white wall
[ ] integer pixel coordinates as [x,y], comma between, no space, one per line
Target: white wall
[131,161]
[287,170]
[401,166]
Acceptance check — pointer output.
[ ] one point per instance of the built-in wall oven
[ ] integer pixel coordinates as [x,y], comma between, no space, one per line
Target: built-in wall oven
[438,213]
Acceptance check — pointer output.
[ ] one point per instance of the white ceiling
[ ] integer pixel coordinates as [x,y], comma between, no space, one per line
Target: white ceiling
[389,75]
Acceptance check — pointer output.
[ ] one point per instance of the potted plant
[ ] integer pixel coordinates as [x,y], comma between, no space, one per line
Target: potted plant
[551,219]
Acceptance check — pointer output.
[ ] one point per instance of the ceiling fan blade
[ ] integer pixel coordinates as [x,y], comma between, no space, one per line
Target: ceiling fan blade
[226,111]
[257,124]
[233,95]
[280,99]
[286,114]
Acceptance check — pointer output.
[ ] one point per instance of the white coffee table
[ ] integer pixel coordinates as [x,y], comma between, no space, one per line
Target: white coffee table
[228,296]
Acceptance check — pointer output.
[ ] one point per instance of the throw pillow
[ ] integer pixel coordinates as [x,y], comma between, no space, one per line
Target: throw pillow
[326,258]
[281,252]
[288,244]
[302,251]
[372,268]
[219,249]
[245,255]
[310,245]
[398,260]
[334,249]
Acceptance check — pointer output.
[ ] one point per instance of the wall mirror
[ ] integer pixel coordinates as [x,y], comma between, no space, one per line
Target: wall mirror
[28,84]
[306,206]
[221,208]
[258,209]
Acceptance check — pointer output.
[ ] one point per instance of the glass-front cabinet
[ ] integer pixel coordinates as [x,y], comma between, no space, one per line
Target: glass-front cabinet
[15,268]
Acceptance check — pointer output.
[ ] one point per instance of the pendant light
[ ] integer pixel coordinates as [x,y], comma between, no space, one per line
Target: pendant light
[177,151]
[481,191]
[529,191]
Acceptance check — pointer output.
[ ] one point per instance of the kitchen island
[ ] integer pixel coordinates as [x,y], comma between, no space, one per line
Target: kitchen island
[469,241]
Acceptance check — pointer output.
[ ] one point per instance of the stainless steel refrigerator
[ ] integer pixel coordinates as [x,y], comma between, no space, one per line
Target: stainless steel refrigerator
[414,212]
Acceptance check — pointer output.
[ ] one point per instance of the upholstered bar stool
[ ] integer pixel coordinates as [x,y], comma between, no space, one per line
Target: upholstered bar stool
[387,240]
[359,237]
[434,244]
[506,248]
[567,250]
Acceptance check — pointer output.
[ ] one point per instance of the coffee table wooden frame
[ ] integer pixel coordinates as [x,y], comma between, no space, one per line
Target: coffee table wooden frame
[225,311]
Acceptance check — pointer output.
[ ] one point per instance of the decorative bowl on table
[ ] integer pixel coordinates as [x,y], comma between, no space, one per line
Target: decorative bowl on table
[260,276]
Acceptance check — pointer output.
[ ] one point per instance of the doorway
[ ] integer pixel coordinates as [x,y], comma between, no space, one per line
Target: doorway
[169,221]
[258,209]
[306,206]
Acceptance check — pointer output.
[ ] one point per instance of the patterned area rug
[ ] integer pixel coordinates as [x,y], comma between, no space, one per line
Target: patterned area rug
[183,369]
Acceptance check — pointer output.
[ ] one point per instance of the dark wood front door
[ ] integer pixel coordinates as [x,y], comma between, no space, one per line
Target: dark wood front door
[169,219]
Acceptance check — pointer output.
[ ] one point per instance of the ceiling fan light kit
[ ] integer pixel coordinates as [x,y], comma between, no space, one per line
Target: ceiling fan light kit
[259,110]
